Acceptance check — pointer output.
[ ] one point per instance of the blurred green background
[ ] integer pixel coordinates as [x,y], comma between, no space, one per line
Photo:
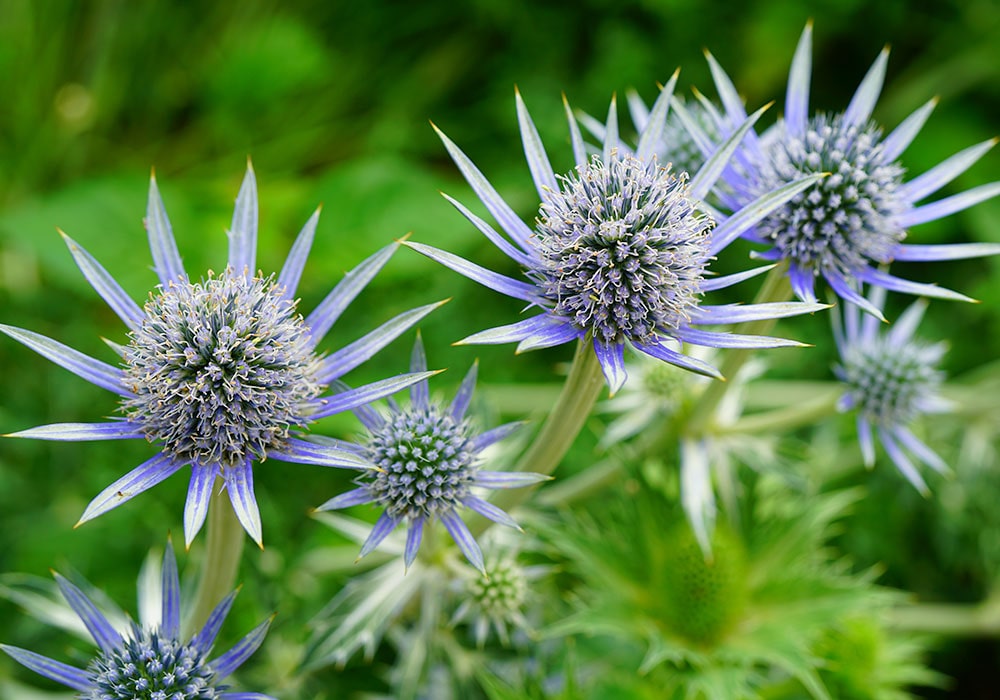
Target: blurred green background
[332,102]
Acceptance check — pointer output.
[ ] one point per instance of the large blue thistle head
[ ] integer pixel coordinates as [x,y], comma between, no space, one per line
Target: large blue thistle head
[221,372]
[620,252]
[891,378]
[426,465]
[148,660]
[847,226]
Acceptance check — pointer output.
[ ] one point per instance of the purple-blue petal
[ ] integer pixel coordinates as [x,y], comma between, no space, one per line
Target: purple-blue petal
[354,497]
[198,497]
[291,271]
[488,510]
[170,588]
[488,278]
[350,356]
[351,399]
[414,534]
[105,285]
[205,637]
[115,430]
[948,205]
[239,484]
[100,629]
[714,339]
[383,526]
[507,480]
[329,310]
[166,258]
[226,664]
[145,476]
[948,251]
[69,676]
[460,404]
[243,232]
[303,452]
[464,539]
[612,361]
[494,435]
[94,371]
[661,352]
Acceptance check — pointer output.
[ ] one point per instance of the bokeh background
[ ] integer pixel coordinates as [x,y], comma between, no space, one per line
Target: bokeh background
[332,101]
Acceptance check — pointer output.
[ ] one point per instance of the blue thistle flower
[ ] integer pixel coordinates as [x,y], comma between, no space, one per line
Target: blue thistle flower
[426,465]
[891,379]
[847,225]
[621,248]
[149,660]
[221,372]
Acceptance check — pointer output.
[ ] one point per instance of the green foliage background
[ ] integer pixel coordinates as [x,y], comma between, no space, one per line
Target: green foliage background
[332,101]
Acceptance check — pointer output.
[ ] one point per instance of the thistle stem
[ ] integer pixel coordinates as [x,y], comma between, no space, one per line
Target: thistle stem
[578,396]
[980,620]
[776,288]
[785,419]
[221,563]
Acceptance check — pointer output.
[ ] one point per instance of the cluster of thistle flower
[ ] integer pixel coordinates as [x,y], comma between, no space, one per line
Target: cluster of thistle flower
[224,372]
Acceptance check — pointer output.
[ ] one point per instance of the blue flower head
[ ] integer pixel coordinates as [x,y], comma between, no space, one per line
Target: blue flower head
[220,372]
[148,660]
[890,380]
[620,251]
[847,225]
[426,465]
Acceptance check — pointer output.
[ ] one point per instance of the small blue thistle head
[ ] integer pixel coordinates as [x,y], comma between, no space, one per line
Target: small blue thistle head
[847,225]
[426,462]
[890,379]
[148,661]
[623,249]
[222,372]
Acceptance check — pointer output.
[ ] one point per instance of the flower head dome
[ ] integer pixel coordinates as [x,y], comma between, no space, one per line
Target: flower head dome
[890,379]
[149,661]
[621,248]
[426,465]
[844,227]
[220,372]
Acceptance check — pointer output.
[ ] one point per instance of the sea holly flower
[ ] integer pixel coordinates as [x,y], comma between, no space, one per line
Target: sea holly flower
[844,227]
[891,379]
[426,465]
[621,248]
[149,659]
[220,372]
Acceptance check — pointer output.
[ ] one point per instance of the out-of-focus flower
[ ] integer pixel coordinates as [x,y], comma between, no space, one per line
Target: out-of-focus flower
[426,465]
[891,379]
[620,251]
[848,224]
[148,659]
[221,371]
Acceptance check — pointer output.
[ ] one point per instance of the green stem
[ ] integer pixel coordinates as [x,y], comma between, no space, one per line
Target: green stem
[221,563]
[785,419]
[981,620]
[578,396]
[776,288]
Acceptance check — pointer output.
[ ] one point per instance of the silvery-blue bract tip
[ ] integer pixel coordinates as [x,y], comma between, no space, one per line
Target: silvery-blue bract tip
[220,372]
[620,252]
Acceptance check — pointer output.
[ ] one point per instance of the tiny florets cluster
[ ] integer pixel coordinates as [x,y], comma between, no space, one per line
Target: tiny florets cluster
[425,463]
[220,369]
[846,220]
[150,667]
[888,381]
[624,249]
[502,592]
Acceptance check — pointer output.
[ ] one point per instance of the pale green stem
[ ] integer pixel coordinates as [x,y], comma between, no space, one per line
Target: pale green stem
[776,288]
[592,480]
[979,620]
[785,419]
[578,396]
[221,563]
